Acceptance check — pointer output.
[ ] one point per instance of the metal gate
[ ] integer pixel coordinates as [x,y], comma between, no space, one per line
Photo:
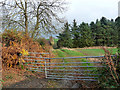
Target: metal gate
[73,68]
[69,68]
[36,61]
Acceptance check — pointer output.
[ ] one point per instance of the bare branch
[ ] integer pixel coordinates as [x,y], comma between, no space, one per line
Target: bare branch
[18,5]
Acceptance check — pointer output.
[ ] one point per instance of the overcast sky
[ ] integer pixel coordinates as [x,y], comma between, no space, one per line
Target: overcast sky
[90,10]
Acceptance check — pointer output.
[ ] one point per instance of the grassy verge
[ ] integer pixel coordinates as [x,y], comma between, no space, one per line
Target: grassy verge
[59,53]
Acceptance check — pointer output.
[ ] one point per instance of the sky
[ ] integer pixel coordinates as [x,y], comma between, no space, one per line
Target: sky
[90,10]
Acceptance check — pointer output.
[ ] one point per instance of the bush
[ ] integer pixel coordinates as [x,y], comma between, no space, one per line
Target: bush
[11,35]
[16,43]
[42,41]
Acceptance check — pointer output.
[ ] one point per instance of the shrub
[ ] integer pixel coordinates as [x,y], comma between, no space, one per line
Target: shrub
[11,35]
[14,44]
[43,41]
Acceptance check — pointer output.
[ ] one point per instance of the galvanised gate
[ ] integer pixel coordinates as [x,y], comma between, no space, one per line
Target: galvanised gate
[69,68]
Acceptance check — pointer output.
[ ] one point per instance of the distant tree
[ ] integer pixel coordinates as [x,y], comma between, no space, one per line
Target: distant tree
[85,35]
[65,37]
[93,30]
[114,33]
[103,32]
[117,21]
[103,21]
[75,34]
[108,32]
[99,34]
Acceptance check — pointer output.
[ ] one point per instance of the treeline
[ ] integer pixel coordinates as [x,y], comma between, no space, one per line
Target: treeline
[103,32]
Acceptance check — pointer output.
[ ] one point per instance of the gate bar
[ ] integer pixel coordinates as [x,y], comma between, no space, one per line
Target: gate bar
[75,73]
[64,66]
[67,70]
[73,79]
[75,62]
[80,57]
[54,76]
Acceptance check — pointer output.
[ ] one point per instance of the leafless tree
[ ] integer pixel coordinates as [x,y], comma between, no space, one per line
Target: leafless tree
[33,16]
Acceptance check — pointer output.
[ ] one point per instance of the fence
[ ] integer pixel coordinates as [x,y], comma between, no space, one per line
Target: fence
[70,68]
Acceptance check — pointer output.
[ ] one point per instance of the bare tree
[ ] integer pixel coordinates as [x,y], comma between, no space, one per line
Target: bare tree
[34,16]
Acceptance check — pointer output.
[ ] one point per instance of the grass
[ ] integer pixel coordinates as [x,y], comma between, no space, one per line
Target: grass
[81,52]
[55,40]
[96,52]
[66,53]
[59,53]
[72,53]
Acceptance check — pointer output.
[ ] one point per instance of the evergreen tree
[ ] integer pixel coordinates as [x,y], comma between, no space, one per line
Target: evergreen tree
[99,39]
[75,34]
[93,30]
[103,32]
[103,21]
[117,21]
[107,31]
[65,37]
[85,35]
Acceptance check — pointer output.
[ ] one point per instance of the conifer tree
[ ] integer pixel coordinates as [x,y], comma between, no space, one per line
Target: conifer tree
[85,35]
[75,34]
[117,21]
[65,37]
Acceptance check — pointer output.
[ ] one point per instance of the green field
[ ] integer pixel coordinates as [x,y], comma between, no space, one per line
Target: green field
[66,53]
[96,52]
[81,52]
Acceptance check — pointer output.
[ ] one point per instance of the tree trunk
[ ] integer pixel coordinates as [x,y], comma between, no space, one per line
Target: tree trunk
[26,19]
[36,28]
[37,23]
